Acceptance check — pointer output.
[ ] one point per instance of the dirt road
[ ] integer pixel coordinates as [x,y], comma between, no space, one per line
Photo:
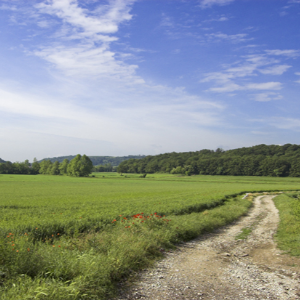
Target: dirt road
[219,266]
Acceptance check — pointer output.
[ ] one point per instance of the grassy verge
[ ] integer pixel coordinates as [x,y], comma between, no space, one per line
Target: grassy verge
[89,265]
[288,233]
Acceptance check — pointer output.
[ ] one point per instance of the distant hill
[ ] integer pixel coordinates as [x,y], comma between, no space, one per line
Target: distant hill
[2,161]
[99,160]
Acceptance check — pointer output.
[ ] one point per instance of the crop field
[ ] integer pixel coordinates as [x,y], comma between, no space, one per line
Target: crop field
[75,238]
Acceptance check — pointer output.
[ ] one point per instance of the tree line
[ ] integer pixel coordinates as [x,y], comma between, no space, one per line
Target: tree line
[260,160]
[97,160]
[79,166]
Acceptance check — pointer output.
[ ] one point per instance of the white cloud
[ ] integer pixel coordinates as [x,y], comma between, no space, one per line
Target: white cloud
[232,78]
[269,96]
[289,53]
[92,32]
[263,86]
[236,38]
[106,22]
[275,70]
[88,60]
[219,19]
[222,19]
[231,87]
[209,3]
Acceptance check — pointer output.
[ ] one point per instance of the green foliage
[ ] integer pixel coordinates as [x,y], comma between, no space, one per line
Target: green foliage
[104,168]
[98,160]
[63,167]
[80,166]
[261,160]
[74,243]
[288,233]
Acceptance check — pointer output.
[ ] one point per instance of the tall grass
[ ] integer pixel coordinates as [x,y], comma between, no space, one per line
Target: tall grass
[288,233]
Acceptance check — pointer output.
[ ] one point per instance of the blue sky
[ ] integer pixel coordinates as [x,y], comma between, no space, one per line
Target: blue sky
[133,77]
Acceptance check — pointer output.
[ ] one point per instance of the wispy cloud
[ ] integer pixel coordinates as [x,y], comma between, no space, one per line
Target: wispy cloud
[286,123]
[275,70]
[232,87]
[209,3]
[92,33]
[265,97]
[235,38]
[251,66]
[289,53]
[219,19]
[8,7]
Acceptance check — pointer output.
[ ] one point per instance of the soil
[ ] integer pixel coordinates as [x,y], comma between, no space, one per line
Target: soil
[222,266]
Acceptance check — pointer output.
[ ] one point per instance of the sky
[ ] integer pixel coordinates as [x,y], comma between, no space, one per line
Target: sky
[129,77]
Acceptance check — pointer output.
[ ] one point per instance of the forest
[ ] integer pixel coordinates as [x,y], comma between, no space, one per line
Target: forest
[260,160]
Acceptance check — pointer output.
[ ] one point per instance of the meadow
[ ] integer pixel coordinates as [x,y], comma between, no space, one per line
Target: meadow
[75,238]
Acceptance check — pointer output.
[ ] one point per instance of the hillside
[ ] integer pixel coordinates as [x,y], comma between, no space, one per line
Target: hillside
[98,160]
[260,160]
[2,161]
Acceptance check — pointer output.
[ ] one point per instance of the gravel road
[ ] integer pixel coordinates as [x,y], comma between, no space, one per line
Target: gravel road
[219,266]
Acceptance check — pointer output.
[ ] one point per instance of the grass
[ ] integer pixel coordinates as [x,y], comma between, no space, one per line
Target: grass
[244,234]
[288,233]
[74,238]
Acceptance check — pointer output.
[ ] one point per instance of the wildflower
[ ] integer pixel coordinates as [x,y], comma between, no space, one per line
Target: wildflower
[53,246]
[59,246]
[120,215]
[36,228]
[17,251]
[125,218]
[52,234]
[28,249]
[58,234]
[13,244]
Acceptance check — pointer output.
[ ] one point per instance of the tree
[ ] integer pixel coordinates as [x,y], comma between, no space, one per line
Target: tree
[80,166]
[35,167]
[45,166]
[55,169]
[63,167]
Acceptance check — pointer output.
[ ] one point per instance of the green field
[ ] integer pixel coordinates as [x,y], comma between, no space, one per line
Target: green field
[74,238]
